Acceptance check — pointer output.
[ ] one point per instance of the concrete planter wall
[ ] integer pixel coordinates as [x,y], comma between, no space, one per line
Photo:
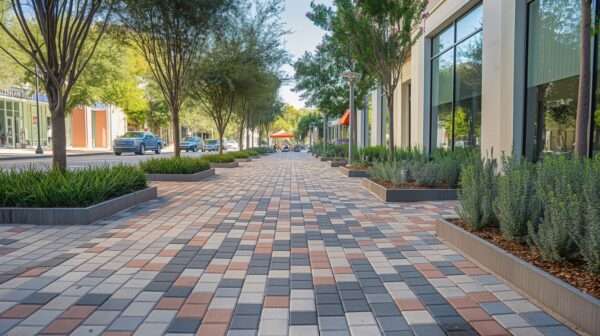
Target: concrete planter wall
[75,216]
[354,172]
[338,163]
[567,302]
[233,164]
[409,195]
[181,177]
[243,160]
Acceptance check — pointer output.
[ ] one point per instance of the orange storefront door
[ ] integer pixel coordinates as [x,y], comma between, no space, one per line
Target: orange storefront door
[78,128]
[100,131]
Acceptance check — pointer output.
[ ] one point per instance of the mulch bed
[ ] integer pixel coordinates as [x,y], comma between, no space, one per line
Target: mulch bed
[572,272]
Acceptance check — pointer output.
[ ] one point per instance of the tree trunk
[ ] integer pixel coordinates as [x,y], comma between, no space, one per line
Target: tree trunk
[583,101]
[59,136]
[390,104]
[176,130]
[248,130]
[221,134]
[241,135]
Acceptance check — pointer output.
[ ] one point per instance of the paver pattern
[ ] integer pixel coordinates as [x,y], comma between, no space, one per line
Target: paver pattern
[284,245]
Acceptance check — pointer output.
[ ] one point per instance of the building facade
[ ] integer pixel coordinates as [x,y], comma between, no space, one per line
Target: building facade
[500,75]
[88,127]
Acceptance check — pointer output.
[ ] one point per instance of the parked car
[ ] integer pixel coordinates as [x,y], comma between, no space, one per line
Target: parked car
[192,144]
[231,145]
[298,148]
[212,145]
[138,143]
[285,148]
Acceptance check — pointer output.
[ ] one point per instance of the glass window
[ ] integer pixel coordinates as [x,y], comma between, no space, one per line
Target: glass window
[469,24]
[442,82]
[456,85]
[467,112]
[443,41]
[552,77]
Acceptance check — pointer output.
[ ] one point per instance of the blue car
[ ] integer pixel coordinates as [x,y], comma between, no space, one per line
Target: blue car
[192,144]
[138,143]
[212,145]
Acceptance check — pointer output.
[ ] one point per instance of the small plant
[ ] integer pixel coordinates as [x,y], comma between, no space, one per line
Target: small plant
[252,153]
[219,158]
[77,188]
[517,202]
[175,165]
[478,193]
[373,154]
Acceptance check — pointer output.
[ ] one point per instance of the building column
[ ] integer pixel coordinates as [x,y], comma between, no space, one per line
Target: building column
[377,127]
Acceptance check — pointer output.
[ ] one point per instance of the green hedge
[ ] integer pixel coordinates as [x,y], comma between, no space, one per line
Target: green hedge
[219,158]
[240,154]
[261,150]
[174,165]
[79,188]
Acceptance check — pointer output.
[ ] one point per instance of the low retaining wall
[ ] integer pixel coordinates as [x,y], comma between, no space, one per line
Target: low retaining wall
[243,160]
[233,164]
[567,302]
[75,216]
[181,177]
[409,195]
[354,172]
[338,163]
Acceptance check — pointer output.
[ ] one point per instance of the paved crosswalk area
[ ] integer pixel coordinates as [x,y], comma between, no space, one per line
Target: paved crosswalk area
[283,245]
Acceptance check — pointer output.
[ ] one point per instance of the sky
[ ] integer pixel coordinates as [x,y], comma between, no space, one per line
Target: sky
[304,36]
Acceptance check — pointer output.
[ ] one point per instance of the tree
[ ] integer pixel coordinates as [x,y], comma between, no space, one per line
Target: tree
[585,82]
[10,72]
[306,123]
[380,35]
[170,34]
[58,39]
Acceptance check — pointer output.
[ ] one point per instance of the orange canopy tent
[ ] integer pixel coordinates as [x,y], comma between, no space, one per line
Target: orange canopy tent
[282,135]
[345,119]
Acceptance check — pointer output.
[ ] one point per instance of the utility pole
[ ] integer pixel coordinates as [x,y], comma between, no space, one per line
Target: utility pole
[351,77]
[39,149]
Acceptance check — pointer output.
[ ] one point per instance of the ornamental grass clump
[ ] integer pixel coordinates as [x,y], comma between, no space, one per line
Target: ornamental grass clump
[77,188]
[477,193]
[394,172]
[373,154]
[175,165]
[517,202]
[219,158]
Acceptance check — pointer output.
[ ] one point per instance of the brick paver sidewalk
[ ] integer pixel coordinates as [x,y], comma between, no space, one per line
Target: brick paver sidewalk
[281,246]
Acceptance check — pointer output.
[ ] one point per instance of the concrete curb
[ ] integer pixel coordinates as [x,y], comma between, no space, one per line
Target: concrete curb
[243,160]
[182,177]
[567,302]
[233,164]
[409,195]
[75,216]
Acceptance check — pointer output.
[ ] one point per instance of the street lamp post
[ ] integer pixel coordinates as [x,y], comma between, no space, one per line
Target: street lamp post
[39,149]
[351,77]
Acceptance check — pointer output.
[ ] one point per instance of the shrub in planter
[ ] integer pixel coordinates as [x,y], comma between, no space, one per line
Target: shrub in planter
[477,193]
[373,154]
[559,192]
[78,188]
[587,237]
[174,165]
[517,202]
[219,158]
[442,172]
[395,172]
[251,152]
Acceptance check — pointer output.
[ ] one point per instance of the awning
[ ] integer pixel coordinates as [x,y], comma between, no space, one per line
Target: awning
[345,119]
[282,135]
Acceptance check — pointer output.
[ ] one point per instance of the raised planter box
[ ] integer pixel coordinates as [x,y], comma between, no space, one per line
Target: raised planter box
[567,302]
[338,163]
[182,177]
[324,158]
[75,216]
[408,195]
[354,172]
[233,164]
[243,160]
